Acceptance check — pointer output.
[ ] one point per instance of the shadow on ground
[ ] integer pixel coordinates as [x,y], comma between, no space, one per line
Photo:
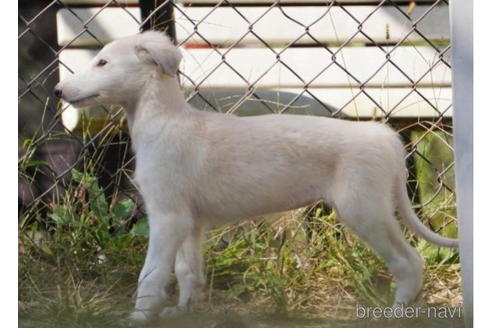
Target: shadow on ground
[235,321]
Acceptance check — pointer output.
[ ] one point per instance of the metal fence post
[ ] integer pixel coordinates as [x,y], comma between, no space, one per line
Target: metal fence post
[461,12]
[159,15]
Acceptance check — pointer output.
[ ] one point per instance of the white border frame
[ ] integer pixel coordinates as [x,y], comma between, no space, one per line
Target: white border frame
[461,14]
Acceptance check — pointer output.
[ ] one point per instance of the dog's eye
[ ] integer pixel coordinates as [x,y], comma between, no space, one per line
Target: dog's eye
[101,63]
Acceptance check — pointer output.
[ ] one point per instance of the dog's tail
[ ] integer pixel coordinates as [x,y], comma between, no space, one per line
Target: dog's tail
[411,219]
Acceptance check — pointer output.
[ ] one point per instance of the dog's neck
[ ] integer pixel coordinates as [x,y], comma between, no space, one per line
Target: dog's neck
[161,97]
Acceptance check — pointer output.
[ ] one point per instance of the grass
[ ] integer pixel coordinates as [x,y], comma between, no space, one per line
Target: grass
[79,264]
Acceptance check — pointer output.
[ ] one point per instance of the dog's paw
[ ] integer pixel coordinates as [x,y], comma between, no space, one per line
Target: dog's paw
[172,312]
[141,317]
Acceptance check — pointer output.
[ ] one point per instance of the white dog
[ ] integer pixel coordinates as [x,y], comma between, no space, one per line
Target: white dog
[197,168]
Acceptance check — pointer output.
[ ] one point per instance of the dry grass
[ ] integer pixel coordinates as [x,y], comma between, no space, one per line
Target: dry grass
[296,266]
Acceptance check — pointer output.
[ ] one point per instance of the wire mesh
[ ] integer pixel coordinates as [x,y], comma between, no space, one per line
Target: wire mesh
[49,151]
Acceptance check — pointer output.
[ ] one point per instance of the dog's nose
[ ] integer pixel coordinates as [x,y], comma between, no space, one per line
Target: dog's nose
[58,91]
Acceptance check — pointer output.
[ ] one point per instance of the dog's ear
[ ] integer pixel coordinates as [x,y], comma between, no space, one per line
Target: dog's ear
[160,54]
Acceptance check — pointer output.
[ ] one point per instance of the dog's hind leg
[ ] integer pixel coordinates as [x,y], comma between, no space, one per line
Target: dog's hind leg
[371,217]
[167,233]
[189,272]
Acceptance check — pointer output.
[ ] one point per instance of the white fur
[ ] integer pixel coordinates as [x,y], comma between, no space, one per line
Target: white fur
[197,168]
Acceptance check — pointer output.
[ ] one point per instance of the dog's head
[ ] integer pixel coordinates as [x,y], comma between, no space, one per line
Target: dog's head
[119,71]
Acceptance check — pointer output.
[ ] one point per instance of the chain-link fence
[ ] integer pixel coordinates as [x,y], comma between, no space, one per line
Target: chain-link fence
[380,60]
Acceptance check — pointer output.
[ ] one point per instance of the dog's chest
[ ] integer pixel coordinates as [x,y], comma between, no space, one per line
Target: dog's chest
[163,169]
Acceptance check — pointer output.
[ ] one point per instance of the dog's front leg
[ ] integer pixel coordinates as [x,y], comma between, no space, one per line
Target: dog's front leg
[167,232]
[189,272]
